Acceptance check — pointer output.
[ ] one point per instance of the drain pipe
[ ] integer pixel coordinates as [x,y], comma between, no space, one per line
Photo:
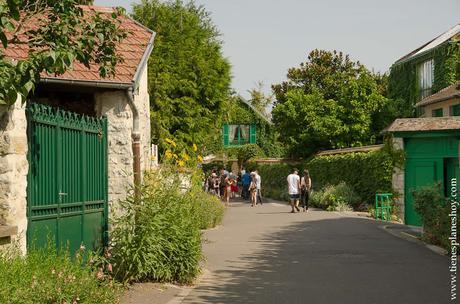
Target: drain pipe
[136,144]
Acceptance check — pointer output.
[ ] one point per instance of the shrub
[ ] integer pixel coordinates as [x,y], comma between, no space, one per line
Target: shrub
[159,238]
[337,198]
[434,209]
[44,276]
[367,173]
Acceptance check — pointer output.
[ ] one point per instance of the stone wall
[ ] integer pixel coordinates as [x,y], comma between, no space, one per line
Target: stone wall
[13,170]
[398,180]
[114,104]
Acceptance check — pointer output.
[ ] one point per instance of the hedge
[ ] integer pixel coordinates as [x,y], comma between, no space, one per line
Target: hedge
[366,172]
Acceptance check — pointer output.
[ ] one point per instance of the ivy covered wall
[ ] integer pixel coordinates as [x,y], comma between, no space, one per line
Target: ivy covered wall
[237,112]
[403,83]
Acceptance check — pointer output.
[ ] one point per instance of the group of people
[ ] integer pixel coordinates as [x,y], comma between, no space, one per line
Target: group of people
[299,188]
[226,185]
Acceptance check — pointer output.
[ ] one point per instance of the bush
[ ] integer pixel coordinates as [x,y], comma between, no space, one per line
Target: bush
[43,276]
[367,173]
[159,238]
[336,198]
[434,209]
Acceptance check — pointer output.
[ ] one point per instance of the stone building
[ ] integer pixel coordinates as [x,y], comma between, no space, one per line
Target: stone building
[66,155]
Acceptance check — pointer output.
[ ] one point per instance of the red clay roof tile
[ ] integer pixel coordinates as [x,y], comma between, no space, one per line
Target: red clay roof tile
[130,49]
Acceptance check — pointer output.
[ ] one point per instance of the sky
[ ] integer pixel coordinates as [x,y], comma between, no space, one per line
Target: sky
[264,38]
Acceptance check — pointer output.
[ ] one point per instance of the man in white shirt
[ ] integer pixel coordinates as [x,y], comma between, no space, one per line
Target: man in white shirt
[293,181]
[258,187]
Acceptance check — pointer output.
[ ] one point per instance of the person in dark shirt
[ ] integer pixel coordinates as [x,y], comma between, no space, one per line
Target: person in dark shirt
[246,181]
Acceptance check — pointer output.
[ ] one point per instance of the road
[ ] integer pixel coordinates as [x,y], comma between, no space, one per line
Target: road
[268,255]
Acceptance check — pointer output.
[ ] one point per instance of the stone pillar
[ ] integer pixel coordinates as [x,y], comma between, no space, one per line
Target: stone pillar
[13,170]
[398,180]
[114,105]
[142,101]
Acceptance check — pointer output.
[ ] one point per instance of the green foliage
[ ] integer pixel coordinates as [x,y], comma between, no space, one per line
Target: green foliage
[62,33]
[268,139]
[188,76]
[403,81]
[159,238]
[434,209]
[43,276]
[248,152]
[328,102]
[340,197]
[367,173]
[364,173]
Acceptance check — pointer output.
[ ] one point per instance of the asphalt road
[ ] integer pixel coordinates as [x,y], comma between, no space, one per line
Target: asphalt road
[268,255]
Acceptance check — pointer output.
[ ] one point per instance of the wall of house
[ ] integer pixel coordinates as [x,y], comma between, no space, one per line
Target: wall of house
[13,171]
[445,105]
[114,104]
[398,180]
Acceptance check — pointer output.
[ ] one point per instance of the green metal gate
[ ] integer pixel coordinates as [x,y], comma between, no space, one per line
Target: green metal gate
[67,180]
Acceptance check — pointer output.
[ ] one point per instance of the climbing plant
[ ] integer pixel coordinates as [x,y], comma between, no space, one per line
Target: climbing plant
[403,82]
[62,33]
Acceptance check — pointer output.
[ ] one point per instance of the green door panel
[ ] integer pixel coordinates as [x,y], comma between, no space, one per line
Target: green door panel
[418,174]
[69,231]
[67,180]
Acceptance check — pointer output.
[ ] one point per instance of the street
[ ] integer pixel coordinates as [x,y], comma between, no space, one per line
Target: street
[268,255]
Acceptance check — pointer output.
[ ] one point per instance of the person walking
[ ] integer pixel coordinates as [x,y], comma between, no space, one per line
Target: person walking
[305,188]
[253,189]
[246,181]
[258,187]
[227,189]
[293,181]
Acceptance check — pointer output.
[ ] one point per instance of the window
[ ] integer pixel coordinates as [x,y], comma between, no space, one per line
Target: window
[455,110]
[425,78]
[437,113]
[237,135]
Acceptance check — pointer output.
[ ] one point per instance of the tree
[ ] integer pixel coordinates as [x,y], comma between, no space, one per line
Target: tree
[189,78]
[259,99]
[327,102]
[61,33]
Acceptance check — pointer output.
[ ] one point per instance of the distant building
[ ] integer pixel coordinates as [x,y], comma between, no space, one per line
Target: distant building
[425,71]
[427,80]
[443,103]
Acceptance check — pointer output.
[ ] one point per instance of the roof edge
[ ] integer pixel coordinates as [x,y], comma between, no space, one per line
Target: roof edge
[87,83]
[245,101]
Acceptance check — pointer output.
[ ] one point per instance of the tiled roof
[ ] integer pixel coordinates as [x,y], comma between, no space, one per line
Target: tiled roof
[432,43]
[132,49]
[425,124]
[452,91]
[351,150]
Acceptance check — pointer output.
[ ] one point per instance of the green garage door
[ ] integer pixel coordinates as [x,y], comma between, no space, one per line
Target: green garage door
[418,174]
[67,181]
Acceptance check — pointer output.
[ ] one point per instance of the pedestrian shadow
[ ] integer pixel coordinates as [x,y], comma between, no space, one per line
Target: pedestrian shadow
[343,260]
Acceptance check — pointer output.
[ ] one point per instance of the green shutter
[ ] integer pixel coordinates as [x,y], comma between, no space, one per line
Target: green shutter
[437,113]
[456,110]
[225,135]
[252,134]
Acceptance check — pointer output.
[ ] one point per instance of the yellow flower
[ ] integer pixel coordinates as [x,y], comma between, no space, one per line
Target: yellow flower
[175,156]
[168,154]
[200,158]
[170,141]
[195,148]
[180,163]
[185,156]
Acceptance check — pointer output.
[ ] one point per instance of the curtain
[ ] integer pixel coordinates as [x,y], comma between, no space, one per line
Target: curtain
[244,133]
[233,131]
